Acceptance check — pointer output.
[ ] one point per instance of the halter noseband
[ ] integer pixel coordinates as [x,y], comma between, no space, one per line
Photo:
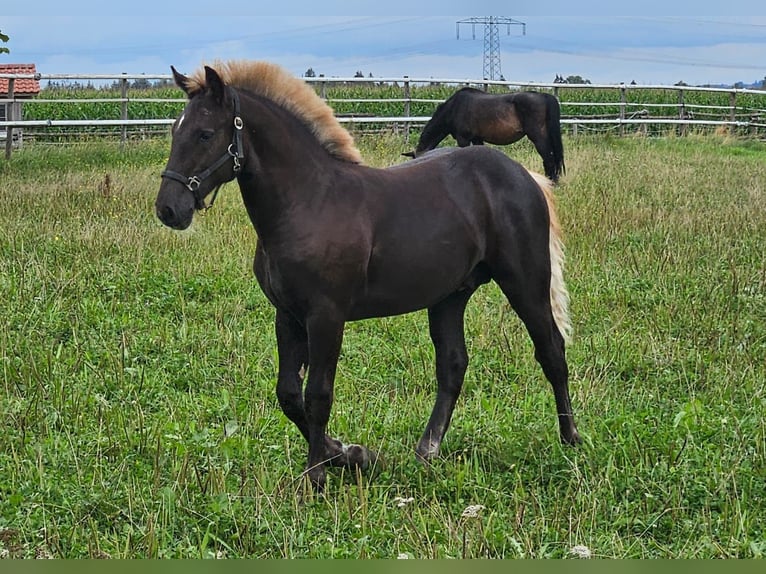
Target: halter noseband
[234,151]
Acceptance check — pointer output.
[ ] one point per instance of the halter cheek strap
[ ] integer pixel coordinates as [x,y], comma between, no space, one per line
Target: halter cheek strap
[234,151]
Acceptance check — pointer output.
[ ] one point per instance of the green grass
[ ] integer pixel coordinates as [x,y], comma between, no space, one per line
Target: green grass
[137,375]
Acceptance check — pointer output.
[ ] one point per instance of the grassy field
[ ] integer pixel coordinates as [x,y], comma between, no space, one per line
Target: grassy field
[137,369]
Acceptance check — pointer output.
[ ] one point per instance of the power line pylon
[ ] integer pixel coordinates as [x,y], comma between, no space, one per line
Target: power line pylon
[491,40]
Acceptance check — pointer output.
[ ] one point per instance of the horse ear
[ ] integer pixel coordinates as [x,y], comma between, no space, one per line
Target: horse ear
[181,80]
[215,84]
[408,154]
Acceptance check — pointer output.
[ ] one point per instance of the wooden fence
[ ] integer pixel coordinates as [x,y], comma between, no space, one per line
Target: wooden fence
[405,103]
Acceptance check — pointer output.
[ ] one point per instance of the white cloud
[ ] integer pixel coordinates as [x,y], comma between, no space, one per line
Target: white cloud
[647,49]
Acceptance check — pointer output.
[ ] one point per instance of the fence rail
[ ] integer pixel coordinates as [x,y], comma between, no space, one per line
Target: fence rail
[584,106]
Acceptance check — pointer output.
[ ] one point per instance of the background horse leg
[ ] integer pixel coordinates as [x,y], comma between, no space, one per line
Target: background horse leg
[528,294]
[462,140]
[445,322]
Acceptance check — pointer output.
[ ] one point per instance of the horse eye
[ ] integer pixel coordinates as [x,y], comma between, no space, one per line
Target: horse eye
[206,135]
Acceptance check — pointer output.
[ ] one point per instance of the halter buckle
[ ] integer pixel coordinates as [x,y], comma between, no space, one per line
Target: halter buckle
[193,184]
[234,156]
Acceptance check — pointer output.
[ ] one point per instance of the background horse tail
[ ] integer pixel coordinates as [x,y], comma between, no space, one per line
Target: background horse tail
[559,293]
[553,125]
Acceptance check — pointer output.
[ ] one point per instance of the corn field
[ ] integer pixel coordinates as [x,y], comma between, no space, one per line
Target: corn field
[594,108]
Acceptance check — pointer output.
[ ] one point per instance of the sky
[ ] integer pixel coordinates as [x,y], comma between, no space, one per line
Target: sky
[655,42]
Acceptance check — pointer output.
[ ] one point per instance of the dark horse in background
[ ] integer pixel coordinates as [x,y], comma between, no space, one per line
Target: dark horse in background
[472,116]
[339,241]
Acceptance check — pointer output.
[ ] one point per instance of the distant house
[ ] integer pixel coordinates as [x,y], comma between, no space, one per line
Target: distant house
[13,93]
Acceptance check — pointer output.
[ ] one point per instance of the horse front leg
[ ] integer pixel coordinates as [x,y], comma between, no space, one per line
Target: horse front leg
[462,140]
[325,337]
[446,328]
[293,350]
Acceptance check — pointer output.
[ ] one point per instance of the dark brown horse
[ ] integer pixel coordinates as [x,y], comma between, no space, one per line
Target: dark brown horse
[339,241]
[472,116]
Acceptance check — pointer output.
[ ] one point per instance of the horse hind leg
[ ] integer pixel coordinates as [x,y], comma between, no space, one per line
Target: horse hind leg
[447,334]
[528,292]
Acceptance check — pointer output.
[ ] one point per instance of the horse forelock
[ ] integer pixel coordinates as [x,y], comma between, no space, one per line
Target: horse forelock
[276,84]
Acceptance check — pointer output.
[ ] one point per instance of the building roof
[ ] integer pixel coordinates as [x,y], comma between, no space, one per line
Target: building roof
[23,87]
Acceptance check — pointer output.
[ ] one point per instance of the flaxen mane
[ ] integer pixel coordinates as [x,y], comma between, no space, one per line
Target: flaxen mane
[275,83]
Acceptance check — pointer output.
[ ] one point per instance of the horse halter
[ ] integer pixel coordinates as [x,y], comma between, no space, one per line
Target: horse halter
[234,151]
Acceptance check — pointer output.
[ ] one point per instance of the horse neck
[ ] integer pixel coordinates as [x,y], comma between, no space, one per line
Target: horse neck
[278,137]
[437,128]
[283,162]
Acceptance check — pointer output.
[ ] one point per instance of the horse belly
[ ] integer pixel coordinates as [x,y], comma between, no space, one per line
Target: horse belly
[415,277]
[503,131]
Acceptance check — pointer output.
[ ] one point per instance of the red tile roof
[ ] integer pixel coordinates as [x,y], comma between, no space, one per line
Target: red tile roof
[20,87]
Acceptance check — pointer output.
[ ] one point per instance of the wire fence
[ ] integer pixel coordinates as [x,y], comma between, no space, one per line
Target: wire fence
[128,107]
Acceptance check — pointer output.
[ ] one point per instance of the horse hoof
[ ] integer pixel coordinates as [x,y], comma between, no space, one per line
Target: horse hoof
[309,485]
[354,457]
[572,440]
[360,457]
[425,455]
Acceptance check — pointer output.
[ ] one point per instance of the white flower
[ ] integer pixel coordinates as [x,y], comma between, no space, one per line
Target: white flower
[580,551]
[472,511]
[402,502]
[403,556]
[43,554]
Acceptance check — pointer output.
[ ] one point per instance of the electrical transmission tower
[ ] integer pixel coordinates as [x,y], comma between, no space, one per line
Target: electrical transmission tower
[491,40]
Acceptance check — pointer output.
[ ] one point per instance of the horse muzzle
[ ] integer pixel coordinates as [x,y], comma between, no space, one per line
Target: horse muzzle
[174,207]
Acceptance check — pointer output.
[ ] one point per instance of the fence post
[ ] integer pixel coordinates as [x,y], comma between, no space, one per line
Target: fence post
[556,95]
[733,111]
[407,110]
[622,110]
[9,129]
[124,111]
[681,112]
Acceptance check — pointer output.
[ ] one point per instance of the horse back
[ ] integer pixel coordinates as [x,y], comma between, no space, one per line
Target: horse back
[534,108]
[477,186]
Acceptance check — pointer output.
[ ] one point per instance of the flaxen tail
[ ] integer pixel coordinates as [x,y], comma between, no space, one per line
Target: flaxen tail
[559,293]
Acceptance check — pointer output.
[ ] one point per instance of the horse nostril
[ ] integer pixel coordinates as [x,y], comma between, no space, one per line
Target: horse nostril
[166,214]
